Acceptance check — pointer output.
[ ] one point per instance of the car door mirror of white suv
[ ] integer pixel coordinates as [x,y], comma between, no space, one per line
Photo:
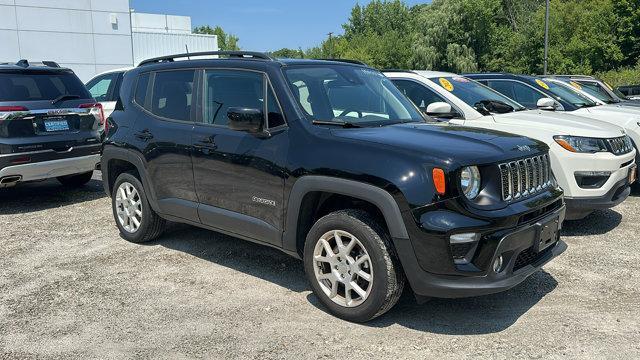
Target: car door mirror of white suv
[440,110]
[546,104]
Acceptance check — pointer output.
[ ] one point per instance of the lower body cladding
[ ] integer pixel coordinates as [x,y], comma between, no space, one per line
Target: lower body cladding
[496,259]
[33,171]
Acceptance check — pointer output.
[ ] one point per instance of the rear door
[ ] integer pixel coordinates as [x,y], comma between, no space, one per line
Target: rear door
[46,110]
[162,133]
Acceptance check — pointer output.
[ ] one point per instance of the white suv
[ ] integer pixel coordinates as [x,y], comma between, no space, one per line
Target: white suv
[593,161]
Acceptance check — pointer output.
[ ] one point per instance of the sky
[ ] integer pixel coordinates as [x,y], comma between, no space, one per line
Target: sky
[264,25]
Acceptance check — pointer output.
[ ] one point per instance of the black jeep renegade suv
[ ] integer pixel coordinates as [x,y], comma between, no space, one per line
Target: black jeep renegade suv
[327,161]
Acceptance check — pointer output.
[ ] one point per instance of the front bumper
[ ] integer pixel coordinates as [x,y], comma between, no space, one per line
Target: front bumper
[578,208]
[51,169]
[515,244]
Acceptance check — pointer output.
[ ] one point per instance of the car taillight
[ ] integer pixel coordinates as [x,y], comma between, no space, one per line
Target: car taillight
[12,108]
[6,111]
[98,112]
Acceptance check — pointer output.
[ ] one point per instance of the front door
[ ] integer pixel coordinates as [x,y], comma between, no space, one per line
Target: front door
[239,176]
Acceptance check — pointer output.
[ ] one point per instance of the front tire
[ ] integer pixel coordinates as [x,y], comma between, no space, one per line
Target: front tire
[76,180]
[352,266]
[134,217]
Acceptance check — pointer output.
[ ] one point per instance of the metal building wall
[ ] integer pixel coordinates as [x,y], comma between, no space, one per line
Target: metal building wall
[88,36]
[149,45]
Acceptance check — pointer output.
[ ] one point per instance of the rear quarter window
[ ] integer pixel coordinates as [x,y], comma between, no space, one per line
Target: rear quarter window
[32,86]
[141,89]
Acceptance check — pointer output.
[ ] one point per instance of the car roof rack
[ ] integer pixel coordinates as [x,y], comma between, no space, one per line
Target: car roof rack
[25,63]
[348,61]
[230,54]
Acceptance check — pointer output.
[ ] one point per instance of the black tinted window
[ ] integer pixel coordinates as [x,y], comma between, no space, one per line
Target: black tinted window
[141,89]
[275,113]
[526,95]
[225,89]
[503,87]
[31,86]
[172,94]
[418,94]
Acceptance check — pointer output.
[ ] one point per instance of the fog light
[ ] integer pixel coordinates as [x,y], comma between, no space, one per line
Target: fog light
[497,264]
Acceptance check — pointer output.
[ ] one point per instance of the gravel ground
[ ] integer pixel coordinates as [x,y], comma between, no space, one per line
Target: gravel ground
[70,287]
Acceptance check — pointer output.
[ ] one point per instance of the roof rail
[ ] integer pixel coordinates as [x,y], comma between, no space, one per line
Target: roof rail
[231,54]
[25,63]
[348,61]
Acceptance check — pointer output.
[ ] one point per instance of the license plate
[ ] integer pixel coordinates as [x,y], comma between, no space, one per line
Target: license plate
[56,125]
[548,234]
[633,174]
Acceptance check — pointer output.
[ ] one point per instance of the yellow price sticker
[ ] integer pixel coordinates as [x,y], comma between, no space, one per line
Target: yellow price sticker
[446,84]
[575,85]
[542,84]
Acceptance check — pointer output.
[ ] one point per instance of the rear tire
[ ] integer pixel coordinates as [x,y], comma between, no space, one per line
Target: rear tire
[76,180]
[346,269]
[135,218]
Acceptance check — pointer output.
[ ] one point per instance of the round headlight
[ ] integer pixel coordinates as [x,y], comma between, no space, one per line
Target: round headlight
[470,181]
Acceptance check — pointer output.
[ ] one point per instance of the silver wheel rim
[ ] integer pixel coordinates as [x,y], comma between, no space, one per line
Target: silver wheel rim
[128,207]
[343,268]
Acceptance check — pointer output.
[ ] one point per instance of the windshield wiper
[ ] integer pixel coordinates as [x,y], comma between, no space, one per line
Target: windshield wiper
[64,97]
[344,124]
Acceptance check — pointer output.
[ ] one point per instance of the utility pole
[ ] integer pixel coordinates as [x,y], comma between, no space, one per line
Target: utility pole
[546,39]
[330,45]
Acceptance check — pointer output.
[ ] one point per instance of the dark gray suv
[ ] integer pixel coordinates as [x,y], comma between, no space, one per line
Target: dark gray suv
[50,126]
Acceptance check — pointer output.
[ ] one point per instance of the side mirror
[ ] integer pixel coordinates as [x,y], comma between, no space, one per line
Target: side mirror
[245,119]
[546,104]
[440,110]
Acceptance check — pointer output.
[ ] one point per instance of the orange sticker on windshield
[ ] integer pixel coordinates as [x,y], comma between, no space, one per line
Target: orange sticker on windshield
[575,85]
[446,84]
[542,84]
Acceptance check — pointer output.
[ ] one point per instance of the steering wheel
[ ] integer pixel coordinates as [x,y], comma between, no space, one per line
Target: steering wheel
[348,111]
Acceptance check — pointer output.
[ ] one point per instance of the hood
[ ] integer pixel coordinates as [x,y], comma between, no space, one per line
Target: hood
[450,144]
[613,112]
[547,123]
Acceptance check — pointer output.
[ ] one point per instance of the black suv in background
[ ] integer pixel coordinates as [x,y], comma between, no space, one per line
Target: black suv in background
[49,125]
[329,162]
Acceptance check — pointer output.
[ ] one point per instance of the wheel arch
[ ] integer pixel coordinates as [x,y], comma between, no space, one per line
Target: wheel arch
[115,160]
[299,205]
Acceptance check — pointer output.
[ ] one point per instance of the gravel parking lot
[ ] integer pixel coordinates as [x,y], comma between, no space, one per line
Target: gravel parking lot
[70,287]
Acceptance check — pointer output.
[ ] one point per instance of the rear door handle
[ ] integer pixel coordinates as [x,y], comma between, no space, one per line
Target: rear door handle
[144,135]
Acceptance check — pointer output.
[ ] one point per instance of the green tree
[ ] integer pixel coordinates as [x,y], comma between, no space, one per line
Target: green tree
[288,53]
[226,42]
[628,29]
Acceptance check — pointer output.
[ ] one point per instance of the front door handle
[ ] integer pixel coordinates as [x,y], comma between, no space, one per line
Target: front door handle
[144,135]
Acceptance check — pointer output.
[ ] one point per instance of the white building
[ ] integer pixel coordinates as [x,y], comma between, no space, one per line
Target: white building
[92,36]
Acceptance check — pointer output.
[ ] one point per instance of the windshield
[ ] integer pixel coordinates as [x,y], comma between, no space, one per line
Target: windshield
[565,92]
[345,93]
[480,97]
[595,90]
[34,86]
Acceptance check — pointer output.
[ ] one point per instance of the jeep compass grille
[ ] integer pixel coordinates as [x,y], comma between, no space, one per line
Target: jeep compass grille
[620,146]
[525,177]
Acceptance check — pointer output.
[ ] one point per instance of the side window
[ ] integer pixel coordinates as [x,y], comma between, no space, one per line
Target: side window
[526,95]
[172,94]
[225,89]
[99,87]
[141,89]
[418,94]
[503,87]
[275,116]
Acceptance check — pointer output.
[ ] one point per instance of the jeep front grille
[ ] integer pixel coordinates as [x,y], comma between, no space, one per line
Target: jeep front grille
[620,145]
[525,177]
